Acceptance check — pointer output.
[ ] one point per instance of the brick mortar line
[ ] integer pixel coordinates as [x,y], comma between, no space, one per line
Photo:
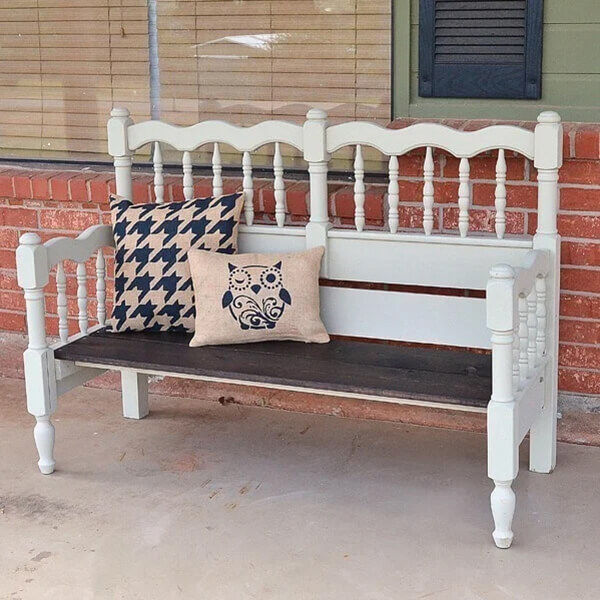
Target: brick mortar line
[577,240]
[582,293]
[578,212]
[580,267]
[577,186]
[580,369]
[569,318]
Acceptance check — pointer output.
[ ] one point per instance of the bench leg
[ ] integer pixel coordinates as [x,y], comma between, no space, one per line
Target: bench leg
[134,391]
[542,436]
[43,433]
[40,389]
[503,503]
[503,467]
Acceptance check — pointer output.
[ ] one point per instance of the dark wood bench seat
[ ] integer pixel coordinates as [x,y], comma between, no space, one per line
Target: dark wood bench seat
[461,378]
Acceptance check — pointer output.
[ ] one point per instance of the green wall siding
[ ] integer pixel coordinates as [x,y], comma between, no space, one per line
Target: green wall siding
[570,68]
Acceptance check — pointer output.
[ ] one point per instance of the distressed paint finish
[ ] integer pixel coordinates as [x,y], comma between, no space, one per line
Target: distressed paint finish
[520,274]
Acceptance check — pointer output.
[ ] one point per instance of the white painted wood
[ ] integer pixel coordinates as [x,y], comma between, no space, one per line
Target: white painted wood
[513,290]
[64,368]
[499,320]
[134,391]
[393,194]
[77,378]
[451,261]
[531,331]
[548,159]
[359,189]
[542,437]
[100,288]
[61,302]
[82,298]
[159,180]
[428,191]
[243,139]
[535,263]
[248,187]
[503,446]
[217,167]
[279,186]
[463,144]
[500,194]
[40,383]
[530,401]
[266,238]
[316,155]
[44,436]
[79,249]
[540,340]
[503,503]
[523,341]
[374,314]
[33,274]
[188,180]
[464,196]
[119,126]
[516,349]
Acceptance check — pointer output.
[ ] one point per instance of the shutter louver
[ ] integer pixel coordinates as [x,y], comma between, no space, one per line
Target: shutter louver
[480,48]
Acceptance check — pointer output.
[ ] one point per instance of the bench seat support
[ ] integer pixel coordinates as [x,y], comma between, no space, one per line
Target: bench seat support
[134,391]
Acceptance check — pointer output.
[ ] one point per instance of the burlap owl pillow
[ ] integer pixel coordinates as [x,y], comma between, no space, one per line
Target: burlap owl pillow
[153,287]
[257,297]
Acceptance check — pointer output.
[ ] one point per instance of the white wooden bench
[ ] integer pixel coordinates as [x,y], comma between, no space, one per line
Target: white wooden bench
[517,320]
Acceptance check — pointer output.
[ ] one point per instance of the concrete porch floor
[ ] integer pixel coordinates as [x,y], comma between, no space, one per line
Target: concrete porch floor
[204,501]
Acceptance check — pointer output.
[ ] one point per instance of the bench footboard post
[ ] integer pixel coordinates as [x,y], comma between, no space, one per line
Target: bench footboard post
[503,440]
[548,160]
[542,436]
[134,391]
[40,377]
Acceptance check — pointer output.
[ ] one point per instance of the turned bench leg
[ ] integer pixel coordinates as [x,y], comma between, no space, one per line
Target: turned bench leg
[134,391]
[503,467]
[503,502]
[43,433]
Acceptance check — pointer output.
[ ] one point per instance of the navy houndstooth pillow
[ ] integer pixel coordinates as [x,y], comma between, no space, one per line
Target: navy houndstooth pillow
[153,285]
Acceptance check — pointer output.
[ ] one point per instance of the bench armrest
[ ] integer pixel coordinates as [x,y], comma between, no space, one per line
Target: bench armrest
[35,261]
[516,308]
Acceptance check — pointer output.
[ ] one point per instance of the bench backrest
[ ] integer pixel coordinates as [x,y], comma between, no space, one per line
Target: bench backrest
[383,259]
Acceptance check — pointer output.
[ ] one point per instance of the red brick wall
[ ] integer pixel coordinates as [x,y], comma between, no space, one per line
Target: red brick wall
[64,202]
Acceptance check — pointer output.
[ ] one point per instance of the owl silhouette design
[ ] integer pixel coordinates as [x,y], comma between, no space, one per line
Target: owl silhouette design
[256,297]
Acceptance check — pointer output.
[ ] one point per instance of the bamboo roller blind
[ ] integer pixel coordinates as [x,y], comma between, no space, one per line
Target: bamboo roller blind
[254,59]
[65,63]
[250,60]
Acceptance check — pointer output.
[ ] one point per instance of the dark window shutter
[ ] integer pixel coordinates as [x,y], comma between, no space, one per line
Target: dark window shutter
[480,48]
